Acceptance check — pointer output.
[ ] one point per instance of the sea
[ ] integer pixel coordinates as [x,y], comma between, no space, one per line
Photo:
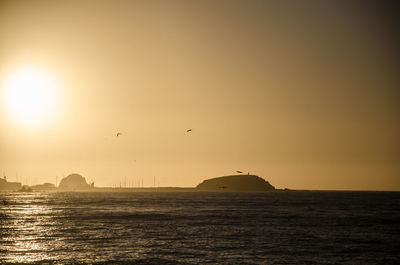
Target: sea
[282,227]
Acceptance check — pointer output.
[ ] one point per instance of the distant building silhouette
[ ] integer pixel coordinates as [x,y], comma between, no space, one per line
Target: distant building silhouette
[44,187]
[9,186]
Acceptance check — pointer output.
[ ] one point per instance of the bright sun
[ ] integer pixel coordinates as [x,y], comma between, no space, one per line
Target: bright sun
[31,96]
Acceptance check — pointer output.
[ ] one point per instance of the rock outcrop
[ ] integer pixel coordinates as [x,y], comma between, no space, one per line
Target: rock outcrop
[236,183]
[74,182]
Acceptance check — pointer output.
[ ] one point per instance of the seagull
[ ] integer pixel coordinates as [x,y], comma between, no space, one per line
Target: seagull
[189,130]
[238,171]
[118,134]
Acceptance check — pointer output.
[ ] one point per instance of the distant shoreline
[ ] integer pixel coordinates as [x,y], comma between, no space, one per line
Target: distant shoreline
[231,184]
[179,189]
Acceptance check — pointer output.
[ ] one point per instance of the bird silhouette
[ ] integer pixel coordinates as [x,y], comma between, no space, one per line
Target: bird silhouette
[189,130]
[238,171]
[118,134]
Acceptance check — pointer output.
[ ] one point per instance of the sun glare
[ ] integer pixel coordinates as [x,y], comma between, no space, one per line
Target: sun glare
[30,96]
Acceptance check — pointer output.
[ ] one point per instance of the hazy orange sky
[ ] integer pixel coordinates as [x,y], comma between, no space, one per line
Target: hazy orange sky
[302,93]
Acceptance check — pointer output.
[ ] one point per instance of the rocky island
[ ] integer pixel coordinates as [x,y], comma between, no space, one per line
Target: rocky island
[236,183]
[74,182]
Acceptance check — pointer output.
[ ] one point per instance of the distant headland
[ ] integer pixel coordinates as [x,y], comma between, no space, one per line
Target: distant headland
[236,183]
[76,182]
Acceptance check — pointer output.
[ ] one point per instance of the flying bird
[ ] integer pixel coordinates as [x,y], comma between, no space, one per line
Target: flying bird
[118,134]
[189,130]
[238,171]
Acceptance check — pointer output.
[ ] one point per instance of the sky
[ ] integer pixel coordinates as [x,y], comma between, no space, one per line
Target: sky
[302,93]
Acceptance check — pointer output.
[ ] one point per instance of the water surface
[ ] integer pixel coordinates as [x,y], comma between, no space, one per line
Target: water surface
[200,228]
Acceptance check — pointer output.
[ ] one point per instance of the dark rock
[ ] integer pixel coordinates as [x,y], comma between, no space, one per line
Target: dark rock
[236,183]
[73,182]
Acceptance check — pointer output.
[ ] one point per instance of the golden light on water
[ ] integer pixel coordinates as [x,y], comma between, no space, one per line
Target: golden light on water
[31,97]
[31,221]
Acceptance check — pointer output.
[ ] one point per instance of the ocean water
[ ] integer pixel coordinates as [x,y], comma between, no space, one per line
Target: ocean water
[200,228]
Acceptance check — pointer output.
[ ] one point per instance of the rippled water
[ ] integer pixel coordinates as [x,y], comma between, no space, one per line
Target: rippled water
[199,228]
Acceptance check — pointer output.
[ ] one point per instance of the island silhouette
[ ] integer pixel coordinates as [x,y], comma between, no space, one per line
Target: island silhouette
[76,182]
[236,183]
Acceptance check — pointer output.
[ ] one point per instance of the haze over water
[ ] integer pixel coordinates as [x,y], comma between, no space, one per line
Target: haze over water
[302,93]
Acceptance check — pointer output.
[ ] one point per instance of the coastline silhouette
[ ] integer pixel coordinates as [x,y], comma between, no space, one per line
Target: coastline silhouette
[76,182]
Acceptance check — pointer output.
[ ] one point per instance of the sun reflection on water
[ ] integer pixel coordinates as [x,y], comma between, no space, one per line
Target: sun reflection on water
[26,226]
